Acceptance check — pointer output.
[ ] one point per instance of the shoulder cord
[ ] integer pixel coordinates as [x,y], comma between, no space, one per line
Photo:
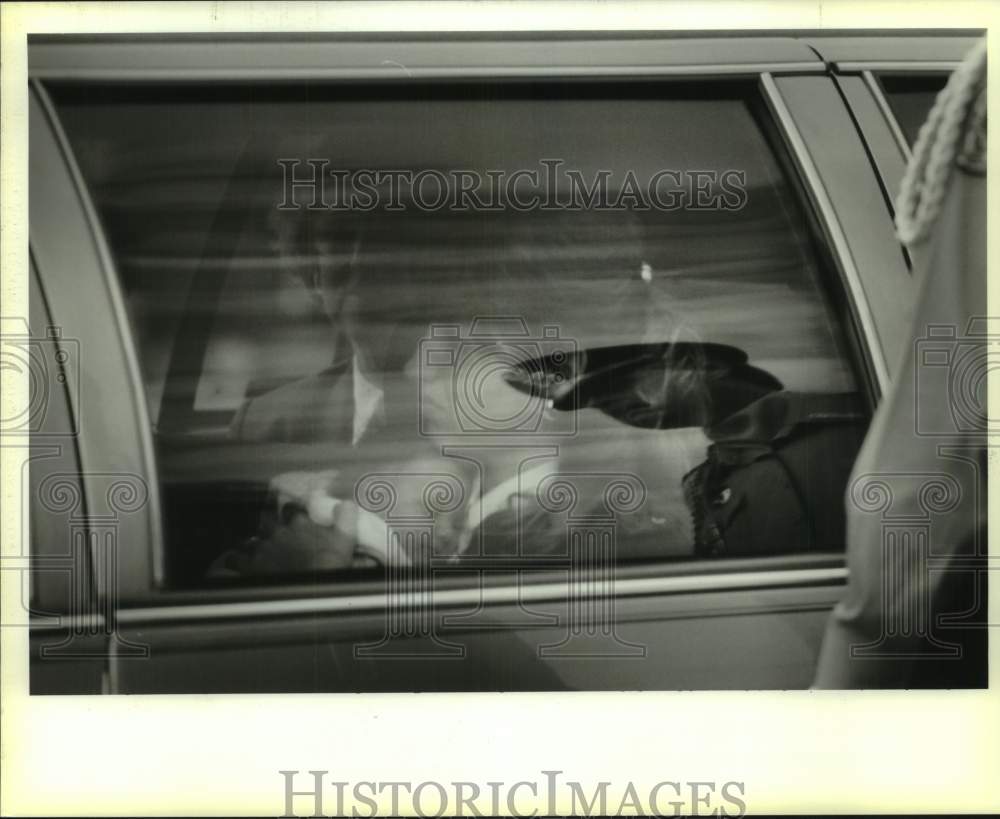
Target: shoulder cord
[955,128]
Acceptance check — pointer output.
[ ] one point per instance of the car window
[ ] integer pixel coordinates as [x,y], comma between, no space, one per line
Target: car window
[910,97]
[622,324]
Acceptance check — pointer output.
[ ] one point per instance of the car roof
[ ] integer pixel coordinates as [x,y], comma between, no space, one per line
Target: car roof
[404,55]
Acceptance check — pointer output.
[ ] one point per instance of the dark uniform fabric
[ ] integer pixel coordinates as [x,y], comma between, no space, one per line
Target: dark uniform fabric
[775,476]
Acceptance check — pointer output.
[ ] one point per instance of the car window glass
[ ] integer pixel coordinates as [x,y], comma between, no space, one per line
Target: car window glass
[910,98]
[333,388]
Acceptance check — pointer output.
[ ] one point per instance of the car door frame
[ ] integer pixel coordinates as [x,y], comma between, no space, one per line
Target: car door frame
[856,63]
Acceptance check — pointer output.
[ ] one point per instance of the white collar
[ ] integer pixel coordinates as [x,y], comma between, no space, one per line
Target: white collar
[369,402]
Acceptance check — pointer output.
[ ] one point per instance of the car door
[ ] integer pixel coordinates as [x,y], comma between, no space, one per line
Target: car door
[891,90]
[89,491]
[126,152]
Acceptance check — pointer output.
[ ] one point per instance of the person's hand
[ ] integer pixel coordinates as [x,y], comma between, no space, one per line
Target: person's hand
[312,515]
[289,540]
[295,490]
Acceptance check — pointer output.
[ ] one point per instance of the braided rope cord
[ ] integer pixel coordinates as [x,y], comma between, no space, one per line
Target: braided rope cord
[954,133]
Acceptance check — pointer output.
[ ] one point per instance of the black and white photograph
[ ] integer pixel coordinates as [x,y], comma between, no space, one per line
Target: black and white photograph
[479,361]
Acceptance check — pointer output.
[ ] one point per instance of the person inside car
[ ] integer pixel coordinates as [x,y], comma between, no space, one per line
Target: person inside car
[312,248]
[732,464]
[533,276]
[368,402]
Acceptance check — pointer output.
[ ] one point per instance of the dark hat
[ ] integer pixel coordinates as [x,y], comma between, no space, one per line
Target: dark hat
[660,386]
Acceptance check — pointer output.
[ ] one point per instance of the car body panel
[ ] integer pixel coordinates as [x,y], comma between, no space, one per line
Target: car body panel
[855,196]
[902,51]
[698,629]
[889,154]
[760,638]
[86,303]
[364,57]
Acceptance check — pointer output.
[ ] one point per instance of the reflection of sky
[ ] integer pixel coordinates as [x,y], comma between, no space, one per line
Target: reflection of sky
[161,170]
[185,188]
[642,135]
[177,158]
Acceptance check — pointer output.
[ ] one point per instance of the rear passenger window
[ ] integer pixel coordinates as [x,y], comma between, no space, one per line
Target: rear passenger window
[911,97]
[485,322]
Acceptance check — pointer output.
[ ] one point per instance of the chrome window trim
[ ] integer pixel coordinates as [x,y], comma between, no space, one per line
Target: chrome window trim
[398,72]
[476,596]
[877,93]
[372,56]
[828,215]
[123,327]
[77,623]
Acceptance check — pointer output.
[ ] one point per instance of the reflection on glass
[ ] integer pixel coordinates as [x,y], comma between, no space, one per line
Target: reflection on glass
[291,355]
[911,97]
